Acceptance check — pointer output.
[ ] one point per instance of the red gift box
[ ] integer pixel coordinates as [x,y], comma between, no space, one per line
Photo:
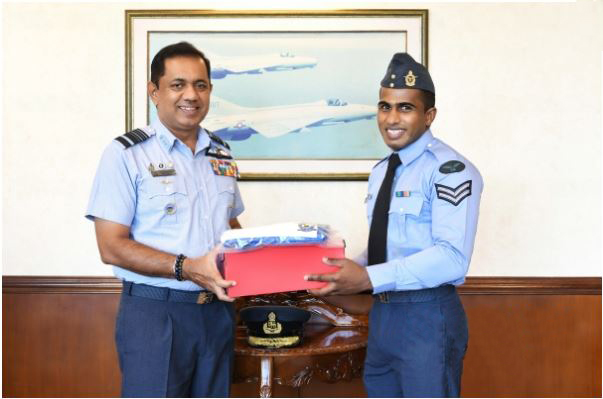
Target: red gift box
[272,269]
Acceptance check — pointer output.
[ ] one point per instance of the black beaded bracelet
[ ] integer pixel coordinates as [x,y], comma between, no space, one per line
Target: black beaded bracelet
[178,267]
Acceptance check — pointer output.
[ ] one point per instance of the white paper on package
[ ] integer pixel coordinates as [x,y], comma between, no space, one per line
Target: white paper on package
[275,235]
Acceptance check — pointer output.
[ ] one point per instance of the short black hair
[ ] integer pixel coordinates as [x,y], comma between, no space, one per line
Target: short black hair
[182,49]
[428,99]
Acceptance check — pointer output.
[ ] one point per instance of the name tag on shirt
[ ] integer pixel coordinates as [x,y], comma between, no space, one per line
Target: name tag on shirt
[162,169]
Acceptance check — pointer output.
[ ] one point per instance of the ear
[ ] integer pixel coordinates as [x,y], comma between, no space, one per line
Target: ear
[430,115]
[152,91]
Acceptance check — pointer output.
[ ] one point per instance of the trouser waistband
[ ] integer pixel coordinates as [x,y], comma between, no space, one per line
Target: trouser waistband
[167,294]
[423,295]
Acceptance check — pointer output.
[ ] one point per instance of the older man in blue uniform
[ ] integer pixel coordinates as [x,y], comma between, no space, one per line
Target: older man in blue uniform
[162,196]
[422,206]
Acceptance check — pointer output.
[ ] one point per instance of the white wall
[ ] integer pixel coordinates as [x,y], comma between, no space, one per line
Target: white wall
[519,93]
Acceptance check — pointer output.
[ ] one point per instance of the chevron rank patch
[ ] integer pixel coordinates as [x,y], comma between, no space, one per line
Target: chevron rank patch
[454,195]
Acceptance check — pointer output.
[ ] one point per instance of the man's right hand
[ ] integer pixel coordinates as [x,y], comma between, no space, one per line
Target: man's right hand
[204,272]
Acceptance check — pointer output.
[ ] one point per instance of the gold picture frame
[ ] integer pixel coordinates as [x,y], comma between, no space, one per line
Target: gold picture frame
[322,146]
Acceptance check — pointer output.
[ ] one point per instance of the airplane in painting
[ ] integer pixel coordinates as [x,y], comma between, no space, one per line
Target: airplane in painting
[234,122]
[257,64]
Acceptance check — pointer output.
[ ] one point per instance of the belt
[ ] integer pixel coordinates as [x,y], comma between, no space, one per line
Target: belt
[423,295]
[167,294]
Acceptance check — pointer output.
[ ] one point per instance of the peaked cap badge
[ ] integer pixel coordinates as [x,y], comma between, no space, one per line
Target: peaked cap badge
[271,326]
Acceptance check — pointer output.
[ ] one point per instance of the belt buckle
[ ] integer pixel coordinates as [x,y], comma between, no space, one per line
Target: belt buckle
[383,297]
[205,297]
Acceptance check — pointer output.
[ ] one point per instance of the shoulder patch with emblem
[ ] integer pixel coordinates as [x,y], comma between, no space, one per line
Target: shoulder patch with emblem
[454,195]
[134,137]
[452,167]
[217,139]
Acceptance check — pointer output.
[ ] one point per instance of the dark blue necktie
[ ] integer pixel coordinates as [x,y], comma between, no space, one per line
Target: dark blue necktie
[377,242]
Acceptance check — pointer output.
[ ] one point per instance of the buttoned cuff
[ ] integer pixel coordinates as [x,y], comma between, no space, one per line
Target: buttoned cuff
[382,276]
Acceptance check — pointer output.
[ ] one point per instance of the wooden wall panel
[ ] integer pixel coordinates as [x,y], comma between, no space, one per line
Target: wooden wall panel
[533,346]
[59,345]
[529,337]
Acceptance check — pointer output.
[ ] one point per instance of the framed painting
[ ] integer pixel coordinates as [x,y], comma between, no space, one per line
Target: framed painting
[294,92]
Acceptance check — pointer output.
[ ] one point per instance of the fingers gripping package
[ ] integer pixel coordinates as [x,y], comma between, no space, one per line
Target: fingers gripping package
[275,258]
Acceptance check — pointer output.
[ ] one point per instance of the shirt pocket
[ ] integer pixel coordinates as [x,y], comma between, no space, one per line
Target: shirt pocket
[402,212]
[225,198]
[165,199]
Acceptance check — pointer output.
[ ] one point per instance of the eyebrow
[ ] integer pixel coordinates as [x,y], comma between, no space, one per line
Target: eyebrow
[184,80]
[382,102]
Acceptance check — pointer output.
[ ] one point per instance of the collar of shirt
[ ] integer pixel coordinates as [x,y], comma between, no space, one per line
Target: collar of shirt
[413,151]
[168,140]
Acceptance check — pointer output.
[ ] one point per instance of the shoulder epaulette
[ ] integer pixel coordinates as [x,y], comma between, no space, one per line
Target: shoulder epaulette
[132,138]
[217,139]
[441,151]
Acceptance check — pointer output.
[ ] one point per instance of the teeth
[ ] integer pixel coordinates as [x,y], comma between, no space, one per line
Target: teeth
[394,134]
[188,108]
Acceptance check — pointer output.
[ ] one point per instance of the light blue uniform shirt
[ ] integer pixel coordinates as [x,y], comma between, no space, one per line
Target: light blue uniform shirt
[185,213]
[432,219]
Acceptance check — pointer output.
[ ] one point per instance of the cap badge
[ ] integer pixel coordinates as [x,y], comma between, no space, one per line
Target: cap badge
[272,326]
[410,79]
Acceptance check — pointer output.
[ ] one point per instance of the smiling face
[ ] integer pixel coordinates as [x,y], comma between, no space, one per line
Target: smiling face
[402,117]
[182,98]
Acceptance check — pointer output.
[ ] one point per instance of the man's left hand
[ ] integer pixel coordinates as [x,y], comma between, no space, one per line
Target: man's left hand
[351,278]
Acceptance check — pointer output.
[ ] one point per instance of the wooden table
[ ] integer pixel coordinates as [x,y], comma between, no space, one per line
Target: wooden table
[327,353]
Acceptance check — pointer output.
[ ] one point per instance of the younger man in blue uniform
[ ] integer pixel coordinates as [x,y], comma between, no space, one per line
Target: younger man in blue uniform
[161,198]
[422,207]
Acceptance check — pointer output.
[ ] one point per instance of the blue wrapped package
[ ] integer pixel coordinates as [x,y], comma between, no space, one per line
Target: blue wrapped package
[275,235]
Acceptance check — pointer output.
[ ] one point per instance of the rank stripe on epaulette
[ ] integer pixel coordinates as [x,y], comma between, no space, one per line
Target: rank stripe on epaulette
[123,142]
[217,139]
[454,195]
[134,137]
[137,136]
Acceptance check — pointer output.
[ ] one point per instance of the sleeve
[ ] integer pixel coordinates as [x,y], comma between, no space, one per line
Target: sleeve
[113,195]
[238,207]
[362,259]
[455,200]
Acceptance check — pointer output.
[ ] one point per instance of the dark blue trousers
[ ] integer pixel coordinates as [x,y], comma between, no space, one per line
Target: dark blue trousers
[417,342]
[174,349]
